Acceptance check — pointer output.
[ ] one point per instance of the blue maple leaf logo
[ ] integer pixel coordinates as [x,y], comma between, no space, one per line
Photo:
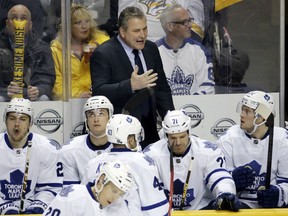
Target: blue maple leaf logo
[210,145]
[11,189]
[179,84]
[66,190]
[177,195]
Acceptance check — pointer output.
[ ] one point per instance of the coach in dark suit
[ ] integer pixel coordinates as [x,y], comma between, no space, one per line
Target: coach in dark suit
[115,74]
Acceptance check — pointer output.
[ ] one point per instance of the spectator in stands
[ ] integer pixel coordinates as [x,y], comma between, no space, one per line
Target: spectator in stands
[187,66]
[153,8]
[85,37]
[36,7]
[38,66]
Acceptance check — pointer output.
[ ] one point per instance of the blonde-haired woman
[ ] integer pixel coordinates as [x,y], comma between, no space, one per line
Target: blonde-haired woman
[84,35]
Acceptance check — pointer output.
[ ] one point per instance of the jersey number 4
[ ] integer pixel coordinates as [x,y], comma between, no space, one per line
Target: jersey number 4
[157,184]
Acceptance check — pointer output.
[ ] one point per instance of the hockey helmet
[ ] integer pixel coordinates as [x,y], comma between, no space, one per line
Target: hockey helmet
[176,121]
[19,105]
[119,174]
[120,126]
[98,102]
[261,102]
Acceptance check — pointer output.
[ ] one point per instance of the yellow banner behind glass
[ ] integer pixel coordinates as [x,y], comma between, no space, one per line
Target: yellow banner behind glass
[19,37]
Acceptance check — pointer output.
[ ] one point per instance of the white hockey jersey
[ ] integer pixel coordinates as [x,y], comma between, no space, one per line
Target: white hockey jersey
[75,156]
[153,9]
[240,149]
[78,200]
[189,71]
[146,196]
[208,177]
[45,174]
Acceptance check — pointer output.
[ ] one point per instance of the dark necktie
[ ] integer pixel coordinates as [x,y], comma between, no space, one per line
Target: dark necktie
[145,104]
[138,61]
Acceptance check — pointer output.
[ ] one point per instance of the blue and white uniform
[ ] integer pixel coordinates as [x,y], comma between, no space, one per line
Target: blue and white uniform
[147,198]
[45,174]
[189,70]
[240,149]
[75,156]
[208,178]
[76,200]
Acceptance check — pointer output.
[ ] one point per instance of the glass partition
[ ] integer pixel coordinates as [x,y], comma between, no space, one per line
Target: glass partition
[253,53]
[256,33]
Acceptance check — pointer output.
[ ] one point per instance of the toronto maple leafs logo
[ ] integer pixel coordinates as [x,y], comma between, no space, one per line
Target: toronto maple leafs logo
[210,145]
[11,189]
[66,190]
[155,7]
[149,160]
[259,178]
[55,144]
[177,195]
[179,84]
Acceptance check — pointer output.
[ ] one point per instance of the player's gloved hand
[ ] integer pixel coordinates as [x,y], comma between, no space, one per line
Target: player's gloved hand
[36,210]
[227,201]
[243,176]
[12,212]
[268,198]
[36,207]
[9,209]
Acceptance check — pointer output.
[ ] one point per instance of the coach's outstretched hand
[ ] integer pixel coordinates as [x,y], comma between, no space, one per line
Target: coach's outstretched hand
[268,198]
[227,201]
[243,176]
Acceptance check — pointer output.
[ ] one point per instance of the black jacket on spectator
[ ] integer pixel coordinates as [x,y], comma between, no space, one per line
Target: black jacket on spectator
[39,68]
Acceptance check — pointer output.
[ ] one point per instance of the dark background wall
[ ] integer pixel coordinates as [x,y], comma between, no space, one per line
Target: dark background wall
[255,29]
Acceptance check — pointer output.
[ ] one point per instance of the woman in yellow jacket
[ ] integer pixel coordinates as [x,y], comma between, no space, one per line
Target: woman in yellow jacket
[84,35]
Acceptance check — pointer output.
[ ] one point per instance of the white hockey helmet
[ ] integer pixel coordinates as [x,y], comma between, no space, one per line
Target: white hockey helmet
[19,105]
[119,174]
[120,126]
[176,121]
[98,102]
[261,102]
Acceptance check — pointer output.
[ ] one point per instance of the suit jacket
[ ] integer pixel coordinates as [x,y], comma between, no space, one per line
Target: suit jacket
[111,72]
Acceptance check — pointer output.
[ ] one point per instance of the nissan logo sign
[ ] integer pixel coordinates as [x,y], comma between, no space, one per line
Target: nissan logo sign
[48,120]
